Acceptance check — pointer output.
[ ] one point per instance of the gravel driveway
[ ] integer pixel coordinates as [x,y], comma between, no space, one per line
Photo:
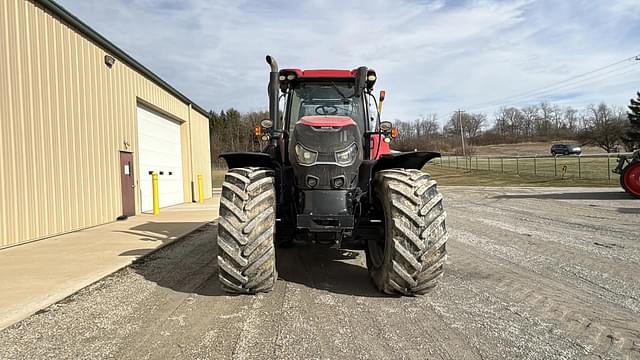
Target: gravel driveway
[533,273]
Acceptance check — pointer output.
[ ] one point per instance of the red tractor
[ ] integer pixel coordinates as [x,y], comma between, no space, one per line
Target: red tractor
[629,170]
[327,176]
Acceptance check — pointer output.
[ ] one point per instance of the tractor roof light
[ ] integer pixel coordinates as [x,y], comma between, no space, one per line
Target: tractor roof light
[371,78]
[286,77]
[394,132]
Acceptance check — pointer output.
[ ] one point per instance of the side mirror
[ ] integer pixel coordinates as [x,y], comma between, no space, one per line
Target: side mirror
[386,126]
[266,123]
[263,131]
[389,132]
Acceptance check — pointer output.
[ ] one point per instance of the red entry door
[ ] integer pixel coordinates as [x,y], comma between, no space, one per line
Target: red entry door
[128,187]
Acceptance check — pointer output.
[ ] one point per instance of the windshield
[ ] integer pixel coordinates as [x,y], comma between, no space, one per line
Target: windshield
[312,99]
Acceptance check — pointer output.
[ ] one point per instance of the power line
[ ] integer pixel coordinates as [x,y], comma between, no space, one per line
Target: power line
[562,89]
[555,84]
[569,85]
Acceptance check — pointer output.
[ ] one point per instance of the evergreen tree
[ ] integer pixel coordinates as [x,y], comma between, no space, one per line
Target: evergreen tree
[632,137]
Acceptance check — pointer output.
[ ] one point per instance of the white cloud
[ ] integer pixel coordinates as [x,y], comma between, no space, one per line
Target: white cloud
[431,56]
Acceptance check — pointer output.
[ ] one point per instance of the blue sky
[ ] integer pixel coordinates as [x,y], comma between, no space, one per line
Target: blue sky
[431,56]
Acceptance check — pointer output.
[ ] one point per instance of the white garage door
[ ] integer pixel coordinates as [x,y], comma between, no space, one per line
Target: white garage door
[159,150]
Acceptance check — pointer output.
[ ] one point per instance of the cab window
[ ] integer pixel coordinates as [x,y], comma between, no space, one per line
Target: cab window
[326,99]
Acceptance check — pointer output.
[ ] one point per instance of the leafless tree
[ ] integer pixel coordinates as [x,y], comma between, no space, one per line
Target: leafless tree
[604,128]
[571,118]
[530,117]
[423,134]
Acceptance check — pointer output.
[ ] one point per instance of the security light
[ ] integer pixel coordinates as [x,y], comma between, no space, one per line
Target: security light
[109,61]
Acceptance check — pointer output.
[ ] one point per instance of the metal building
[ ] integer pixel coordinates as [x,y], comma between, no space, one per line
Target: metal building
[82,125]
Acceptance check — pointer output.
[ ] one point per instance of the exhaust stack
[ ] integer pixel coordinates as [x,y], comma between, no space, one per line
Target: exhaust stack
[274,89]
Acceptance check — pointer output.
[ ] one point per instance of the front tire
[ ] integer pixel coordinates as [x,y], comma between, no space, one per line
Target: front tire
[246,230]
[410,257]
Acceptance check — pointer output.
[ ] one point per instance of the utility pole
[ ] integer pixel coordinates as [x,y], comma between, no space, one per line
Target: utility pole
[464,154]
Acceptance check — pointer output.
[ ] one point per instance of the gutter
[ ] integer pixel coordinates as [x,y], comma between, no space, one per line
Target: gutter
[81,27]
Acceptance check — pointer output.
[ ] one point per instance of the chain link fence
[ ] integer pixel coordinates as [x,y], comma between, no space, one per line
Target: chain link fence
[588,167]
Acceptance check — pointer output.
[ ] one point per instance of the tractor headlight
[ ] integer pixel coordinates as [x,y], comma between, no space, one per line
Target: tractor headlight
[347,156]
[305,156]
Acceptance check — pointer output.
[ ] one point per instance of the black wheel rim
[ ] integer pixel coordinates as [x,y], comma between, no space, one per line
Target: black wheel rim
[377,245]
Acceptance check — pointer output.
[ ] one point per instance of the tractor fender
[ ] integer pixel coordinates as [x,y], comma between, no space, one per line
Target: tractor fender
[406,160]
[249,159]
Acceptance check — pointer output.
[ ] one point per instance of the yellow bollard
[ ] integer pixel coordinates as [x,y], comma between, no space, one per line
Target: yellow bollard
[156,201]
[200,193]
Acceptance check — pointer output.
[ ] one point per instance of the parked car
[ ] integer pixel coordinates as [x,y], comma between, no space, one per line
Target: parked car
[565,149]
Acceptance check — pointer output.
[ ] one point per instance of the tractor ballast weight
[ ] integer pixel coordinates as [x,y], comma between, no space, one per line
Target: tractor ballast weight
[327,176]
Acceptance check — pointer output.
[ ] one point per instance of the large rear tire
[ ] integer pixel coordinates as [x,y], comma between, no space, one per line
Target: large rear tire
[246,229]
[630,179]
[410,257]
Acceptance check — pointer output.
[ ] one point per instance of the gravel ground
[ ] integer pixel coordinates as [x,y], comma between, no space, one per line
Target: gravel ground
[532,274]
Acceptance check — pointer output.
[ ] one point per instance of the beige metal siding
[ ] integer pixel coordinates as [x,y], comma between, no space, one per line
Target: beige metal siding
[65,116]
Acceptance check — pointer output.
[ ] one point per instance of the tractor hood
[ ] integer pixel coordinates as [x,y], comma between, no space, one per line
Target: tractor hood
[326,148]
[326,121]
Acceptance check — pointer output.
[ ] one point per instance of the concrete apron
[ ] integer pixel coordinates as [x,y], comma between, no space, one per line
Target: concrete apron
[38,274]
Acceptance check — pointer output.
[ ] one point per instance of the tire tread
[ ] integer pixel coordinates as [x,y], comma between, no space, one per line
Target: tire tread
[246,231]
[416,223]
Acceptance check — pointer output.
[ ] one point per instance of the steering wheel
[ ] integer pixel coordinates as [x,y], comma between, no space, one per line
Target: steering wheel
[326,110]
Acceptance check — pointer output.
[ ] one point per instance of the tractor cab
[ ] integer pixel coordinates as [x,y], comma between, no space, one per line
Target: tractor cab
[325,94]
[328,98]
